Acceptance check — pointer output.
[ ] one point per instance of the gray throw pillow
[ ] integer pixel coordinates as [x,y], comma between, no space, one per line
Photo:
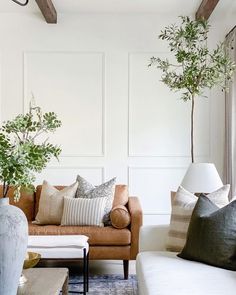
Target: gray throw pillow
[211,234]
[105,190]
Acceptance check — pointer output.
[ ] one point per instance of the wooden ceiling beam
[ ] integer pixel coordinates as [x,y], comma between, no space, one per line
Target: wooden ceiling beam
[48,10]
[206,8]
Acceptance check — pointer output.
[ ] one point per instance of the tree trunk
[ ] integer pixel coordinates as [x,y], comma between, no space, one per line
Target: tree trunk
[192,130]
[5,189]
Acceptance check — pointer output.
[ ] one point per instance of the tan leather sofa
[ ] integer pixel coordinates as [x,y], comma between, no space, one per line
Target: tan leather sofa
[105,242]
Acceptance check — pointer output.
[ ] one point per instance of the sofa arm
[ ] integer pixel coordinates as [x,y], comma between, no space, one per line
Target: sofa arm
[136,214]
[153,238]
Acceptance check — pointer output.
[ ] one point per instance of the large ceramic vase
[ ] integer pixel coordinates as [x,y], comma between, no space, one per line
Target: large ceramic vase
[13,246]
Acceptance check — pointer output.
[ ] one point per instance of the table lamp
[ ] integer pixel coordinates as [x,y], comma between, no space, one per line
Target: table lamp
[201,178]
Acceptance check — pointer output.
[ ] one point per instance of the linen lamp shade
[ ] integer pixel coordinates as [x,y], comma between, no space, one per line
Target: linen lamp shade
[201,178]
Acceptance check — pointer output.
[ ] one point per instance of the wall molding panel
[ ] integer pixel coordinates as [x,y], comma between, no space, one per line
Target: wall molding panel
[152,128]
[70,68]
[67,175]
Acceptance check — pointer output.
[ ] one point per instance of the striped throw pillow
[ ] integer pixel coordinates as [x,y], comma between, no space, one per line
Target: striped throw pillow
[182,208]
[83,211]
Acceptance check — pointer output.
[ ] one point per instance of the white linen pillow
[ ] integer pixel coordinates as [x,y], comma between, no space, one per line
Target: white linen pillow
[182,208]
[51,203]
[79,211]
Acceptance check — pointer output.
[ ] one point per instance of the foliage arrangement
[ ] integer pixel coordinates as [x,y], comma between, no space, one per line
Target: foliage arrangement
[196,67]
[21,152]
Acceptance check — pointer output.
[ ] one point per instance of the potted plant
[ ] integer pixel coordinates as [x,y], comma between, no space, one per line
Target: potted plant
[196,67]
[22,153]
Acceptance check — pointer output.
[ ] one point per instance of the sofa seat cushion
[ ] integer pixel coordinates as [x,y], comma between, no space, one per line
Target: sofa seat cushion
[163,273]
[107,235]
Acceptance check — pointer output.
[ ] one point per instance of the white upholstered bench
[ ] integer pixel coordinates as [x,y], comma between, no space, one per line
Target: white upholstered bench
[68,247]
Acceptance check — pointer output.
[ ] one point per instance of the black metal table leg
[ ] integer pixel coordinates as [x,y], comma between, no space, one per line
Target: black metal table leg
[87,271]
[84,271]
[85,281]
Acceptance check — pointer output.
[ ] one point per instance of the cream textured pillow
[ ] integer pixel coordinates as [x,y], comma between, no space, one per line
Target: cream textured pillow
[182,208]
[83,211]
[51,203]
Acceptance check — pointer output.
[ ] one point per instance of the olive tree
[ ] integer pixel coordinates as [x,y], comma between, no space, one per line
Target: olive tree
[196,67]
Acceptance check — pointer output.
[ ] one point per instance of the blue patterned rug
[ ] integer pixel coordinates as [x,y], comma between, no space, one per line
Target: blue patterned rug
[106,285]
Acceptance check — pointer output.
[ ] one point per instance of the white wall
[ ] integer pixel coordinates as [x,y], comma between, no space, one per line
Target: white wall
[118,119]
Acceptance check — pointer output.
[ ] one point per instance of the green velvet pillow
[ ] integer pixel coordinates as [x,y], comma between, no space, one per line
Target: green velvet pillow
[211,234]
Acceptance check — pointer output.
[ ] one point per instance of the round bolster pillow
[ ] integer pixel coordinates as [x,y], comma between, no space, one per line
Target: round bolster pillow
[120,217]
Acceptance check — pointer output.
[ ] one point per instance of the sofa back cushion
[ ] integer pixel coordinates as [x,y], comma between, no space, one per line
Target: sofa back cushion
[26,202]
[121,196]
